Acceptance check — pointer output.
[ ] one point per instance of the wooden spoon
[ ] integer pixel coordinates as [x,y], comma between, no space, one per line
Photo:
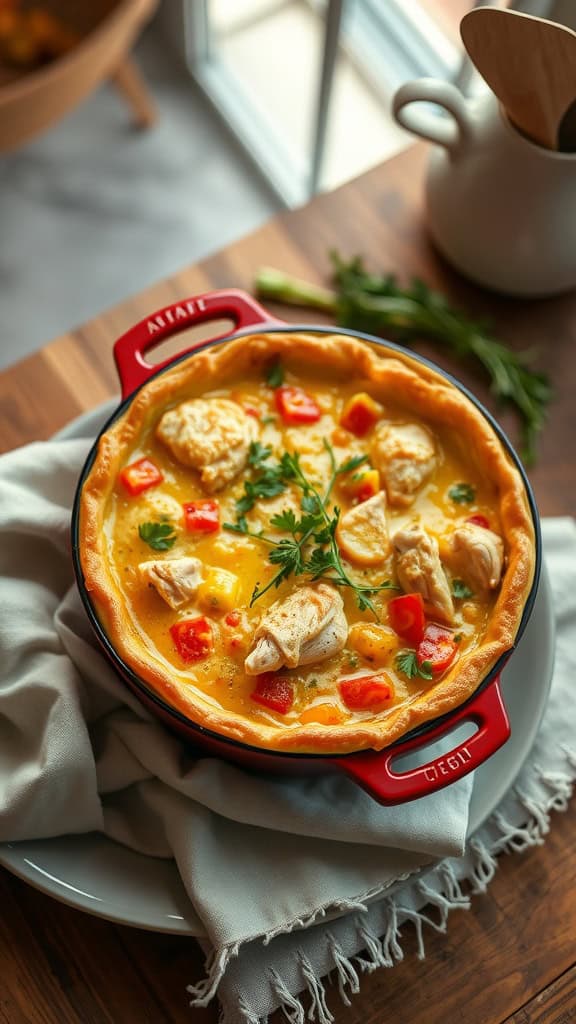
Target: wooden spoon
[529,63]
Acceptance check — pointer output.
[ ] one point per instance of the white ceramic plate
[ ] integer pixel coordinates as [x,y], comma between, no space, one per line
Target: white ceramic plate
[95,874]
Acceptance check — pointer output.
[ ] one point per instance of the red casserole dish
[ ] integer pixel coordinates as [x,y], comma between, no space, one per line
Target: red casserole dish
[373,771]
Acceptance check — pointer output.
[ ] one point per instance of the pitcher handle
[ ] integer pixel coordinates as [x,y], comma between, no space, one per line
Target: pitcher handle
[450,133]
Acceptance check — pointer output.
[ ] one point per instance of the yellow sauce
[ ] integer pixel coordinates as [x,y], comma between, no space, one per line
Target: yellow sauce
[220,677]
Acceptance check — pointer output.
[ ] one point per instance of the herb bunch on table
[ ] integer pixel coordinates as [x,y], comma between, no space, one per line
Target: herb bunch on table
[377,304]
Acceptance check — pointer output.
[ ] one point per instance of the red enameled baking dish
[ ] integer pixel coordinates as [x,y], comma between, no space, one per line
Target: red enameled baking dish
[373,771]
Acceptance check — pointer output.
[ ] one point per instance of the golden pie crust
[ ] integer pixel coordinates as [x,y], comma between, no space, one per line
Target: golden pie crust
[389,374]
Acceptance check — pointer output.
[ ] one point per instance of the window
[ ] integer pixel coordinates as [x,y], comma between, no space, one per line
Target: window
[306,85]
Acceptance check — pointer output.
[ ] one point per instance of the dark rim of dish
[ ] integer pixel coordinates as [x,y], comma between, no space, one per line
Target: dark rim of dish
[139,685]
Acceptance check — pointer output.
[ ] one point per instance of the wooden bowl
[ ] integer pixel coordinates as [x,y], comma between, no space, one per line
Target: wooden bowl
[32,101]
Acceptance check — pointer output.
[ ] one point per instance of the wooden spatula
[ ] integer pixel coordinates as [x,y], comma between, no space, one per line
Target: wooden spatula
[529,63]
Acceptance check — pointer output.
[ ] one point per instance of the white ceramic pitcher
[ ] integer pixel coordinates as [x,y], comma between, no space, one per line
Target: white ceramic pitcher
[500,208]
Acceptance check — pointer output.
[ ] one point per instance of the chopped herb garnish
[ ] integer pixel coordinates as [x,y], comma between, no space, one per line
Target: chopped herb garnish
[407,663]
[353,659]
[287,521]
[320,561]
[457,638]
[310,504]
[310,547]
[462,494]
[240,526]
[460,590]
[269,481]
[258,453]
[267,419]
[160,536]
[275,375]
[353,463]
[267,485]
[377,304]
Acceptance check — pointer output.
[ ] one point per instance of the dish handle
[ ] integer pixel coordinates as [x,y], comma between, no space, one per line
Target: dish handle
[373,770]
[229,304]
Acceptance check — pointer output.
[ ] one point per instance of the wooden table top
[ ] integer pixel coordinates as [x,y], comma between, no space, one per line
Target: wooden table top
[512,957]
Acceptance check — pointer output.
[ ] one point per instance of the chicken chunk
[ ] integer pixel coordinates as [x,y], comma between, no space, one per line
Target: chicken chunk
[307,626]
[420,570]
[175,579]
[477,555]
[362,532]
[405,455]
[212,435]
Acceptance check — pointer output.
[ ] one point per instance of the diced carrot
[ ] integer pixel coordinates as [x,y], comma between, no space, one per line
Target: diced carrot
[323,714]
[340,437]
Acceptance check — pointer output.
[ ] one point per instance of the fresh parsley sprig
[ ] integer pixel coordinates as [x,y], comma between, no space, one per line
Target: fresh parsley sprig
[378,305]
[462,494]
[258,453]
[310,547]
[159,536]
[268,481]
[275,375]
[407,663]
[460,590]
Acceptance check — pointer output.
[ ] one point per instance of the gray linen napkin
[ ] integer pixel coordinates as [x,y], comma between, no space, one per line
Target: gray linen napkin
[261,979]
[262,859]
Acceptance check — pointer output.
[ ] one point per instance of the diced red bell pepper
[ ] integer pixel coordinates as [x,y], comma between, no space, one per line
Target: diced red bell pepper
[360,414]
[193,638]
[366,693]
[406,616]
[140,475]
[202,516]
[479,520]
[296,406]
[274,692]
[251,410]
[233,619]
[437,649]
